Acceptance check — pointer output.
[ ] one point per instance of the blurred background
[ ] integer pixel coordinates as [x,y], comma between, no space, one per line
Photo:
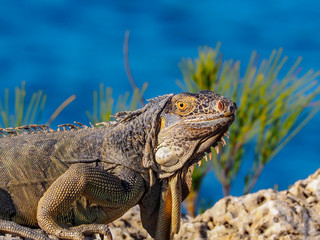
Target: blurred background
[66,47]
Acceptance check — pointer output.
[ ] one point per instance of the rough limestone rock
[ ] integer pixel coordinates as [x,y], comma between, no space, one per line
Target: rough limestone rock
[267,214]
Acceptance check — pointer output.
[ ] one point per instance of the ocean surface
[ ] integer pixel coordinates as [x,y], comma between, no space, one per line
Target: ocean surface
[67,47]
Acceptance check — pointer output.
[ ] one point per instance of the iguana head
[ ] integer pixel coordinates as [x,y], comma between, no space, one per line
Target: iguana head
[190,125]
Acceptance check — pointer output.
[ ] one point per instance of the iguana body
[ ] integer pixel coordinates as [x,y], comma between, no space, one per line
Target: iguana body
[71,183]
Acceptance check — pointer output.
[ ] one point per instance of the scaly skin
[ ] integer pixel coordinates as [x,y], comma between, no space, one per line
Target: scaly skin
[71,183]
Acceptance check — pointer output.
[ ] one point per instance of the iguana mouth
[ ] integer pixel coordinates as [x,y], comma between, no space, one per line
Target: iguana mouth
[209,125]
[210,117]
[212,139]
[204,121]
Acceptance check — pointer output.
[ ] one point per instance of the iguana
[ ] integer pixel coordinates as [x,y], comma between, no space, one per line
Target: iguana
[72,181]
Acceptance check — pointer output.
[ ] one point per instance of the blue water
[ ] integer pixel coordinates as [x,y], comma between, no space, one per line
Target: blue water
[69,47]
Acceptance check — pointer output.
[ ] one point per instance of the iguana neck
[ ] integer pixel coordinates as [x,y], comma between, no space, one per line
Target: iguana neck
[127,143]
[131,142]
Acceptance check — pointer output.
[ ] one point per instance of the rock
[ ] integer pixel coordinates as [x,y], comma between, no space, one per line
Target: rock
[129,226]
[266,214]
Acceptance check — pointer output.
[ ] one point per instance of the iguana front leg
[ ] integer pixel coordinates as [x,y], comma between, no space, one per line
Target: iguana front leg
[117,192]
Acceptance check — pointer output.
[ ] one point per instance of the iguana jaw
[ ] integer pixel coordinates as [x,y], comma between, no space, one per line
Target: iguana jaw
[212,141]
[203,133]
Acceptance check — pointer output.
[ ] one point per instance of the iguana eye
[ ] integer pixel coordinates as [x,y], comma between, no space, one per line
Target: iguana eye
[220,105]
[181,105]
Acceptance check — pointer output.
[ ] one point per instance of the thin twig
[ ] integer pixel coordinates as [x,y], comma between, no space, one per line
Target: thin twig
[226,186]
[127,65]
[60,108]
[254,179]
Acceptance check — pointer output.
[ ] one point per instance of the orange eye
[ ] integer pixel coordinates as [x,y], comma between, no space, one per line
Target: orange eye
[220,105]
[181,105]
